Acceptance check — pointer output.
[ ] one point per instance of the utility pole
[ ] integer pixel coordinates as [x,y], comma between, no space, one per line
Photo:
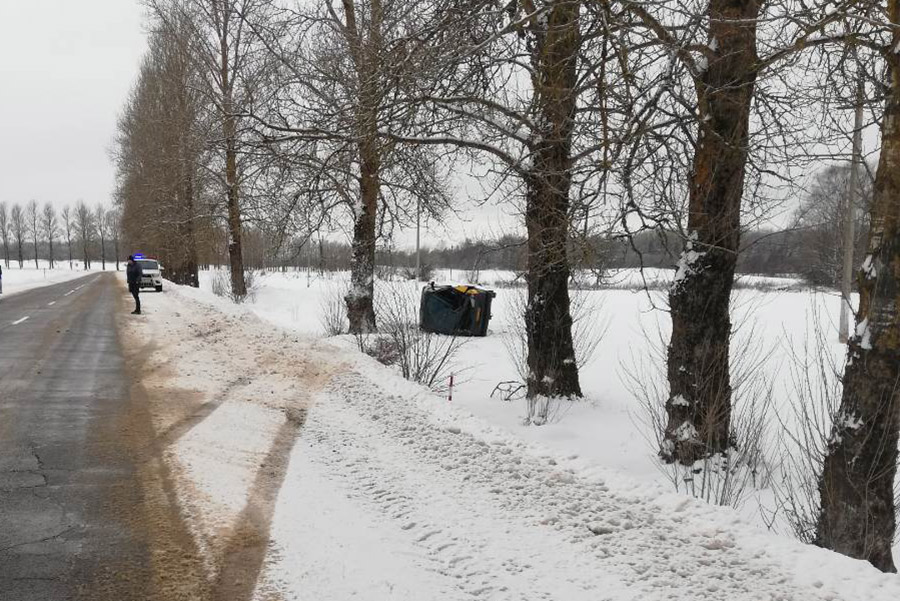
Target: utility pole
[418,240]
[850,217]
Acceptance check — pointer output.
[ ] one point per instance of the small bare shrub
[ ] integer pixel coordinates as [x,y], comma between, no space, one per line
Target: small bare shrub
[383,349]
[221,282]
[333,310]
[253,283]
[805,427]
[422,357]
[221,285]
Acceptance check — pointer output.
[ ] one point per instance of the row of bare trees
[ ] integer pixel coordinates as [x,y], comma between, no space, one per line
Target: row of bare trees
[33,232]
[614,117]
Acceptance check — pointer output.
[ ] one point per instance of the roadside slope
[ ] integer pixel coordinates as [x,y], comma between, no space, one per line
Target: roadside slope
[308,471]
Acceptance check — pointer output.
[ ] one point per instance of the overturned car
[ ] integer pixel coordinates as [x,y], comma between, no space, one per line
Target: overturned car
[455,310]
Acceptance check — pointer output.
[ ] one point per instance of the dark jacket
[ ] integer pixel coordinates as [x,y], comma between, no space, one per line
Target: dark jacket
[134,272]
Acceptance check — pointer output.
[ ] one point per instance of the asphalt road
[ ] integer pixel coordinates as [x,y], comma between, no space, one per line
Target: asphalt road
[69,485]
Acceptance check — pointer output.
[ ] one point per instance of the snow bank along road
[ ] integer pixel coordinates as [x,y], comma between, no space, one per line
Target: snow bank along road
[303,470]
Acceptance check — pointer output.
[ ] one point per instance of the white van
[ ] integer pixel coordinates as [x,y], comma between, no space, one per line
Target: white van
[152,270]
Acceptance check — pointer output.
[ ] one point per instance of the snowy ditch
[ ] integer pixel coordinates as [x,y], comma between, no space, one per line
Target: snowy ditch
[391,492]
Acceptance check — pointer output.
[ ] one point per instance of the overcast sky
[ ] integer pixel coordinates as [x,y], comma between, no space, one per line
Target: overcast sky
[66,67]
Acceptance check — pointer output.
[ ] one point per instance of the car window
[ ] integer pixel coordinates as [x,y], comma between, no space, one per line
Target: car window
[148,265]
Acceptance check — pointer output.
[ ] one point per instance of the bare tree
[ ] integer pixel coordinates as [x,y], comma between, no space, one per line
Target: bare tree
[729,132]
[101,223]
[554,38]
[33,215]
[699,405]
[856,487]
[820,221]
[50,226]
[84,224]
[222,51]
[363,38]
[68,224]
[5,231]
[546,91]
[114,227]
[159,154]
[224,28]
[349,67]
[19,226]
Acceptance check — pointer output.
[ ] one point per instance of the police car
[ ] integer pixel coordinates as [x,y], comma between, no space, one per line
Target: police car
[152,272]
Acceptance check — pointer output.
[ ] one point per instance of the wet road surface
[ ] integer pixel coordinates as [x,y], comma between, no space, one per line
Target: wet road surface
[69,486]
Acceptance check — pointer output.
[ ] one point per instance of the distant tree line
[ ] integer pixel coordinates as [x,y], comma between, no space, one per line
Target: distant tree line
[33,232]
[809,248]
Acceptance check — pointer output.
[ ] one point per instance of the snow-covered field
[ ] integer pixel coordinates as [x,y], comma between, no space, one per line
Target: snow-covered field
[309,471]
[776,321]
[18,280]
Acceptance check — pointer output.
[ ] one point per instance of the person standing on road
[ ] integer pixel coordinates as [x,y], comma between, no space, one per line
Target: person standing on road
[134,272]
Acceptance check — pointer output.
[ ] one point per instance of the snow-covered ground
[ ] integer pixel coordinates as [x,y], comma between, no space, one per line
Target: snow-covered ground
[309,471]
[18,280]
[777,321]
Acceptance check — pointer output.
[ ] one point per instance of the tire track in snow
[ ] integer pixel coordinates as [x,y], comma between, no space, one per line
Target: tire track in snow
[561,536]
[458,533]
[248,544]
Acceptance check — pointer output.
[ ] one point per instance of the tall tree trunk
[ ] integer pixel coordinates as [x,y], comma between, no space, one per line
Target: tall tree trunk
[103,252]
[183,270]
[235,231]
[188,189]
[193,275]
[360,305]
[552,368]
[69,244]
[51,252]
[699,403]
[229,131]
[857,485]
[360,298]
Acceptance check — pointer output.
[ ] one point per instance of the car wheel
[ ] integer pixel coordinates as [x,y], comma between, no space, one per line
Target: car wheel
[159,288]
